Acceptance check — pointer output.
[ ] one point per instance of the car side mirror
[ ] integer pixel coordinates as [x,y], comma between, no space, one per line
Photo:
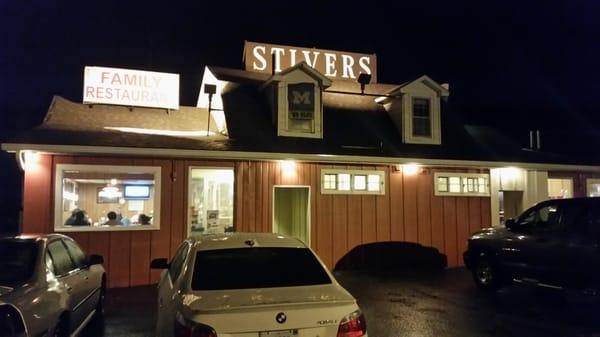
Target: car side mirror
[510,224]
[95,259]
[159,264]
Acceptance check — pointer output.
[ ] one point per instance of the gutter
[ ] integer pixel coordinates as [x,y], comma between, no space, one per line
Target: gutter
[274,156]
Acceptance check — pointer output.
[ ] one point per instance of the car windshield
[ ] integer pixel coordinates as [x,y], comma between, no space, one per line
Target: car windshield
[245,268]
[18,260]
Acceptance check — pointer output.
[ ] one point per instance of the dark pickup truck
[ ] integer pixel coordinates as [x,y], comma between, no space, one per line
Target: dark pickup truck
[556,243]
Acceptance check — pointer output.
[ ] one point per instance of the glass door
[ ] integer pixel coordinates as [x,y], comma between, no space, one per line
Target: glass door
[210,200]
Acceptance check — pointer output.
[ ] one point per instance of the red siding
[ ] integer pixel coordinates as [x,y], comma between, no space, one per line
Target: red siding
[408,211]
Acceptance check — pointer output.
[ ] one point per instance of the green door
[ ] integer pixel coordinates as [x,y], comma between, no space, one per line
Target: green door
[291,212]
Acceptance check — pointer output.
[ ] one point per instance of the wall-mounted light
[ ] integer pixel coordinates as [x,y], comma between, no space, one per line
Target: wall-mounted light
[288,168]
[363,79]
[411,169]
[27,158]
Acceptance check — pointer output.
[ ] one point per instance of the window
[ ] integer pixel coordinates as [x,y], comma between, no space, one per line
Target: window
[360,182]
[559,188]
[352,182]
[545,219]
[210,200]
[329,181]
[99,198]
[176,265]
[343,181]
[593,187]
[421,117]
[253,268]
[461,184]
[76,254]
[61,259]
[18,260]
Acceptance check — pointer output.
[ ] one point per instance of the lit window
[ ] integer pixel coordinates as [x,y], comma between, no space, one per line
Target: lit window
[442,184]
[329,181]
[336,181]
[360,182]
[454,184]
[106,198]
[461,184]
[344,182]
[421,117]
[560,188]
[210,201]
[373,182]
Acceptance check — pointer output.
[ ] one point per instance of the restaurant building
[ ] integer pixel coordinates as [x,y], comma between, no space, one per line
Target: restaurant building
[303,142]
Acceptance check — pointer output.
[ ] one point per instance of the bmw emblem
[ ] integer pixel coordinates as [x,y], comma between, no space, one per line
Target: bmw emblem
[281,318]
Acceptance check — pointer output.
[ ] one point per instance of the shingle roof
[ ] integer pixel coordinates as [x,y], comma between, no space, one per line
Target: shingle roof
[353,125]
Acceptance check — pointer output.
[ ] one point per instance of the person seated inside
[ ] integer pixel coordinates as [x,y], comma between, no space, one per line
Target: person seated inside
[77,218]
[112,219]
[144,219]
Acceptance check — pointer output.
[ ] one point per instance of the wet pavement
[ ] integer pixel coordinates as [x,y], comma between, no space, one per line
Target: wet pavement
[442,304]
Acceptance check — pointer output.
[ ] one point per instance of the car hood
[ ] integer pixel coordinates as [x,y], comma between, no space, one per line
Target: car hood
[243,298]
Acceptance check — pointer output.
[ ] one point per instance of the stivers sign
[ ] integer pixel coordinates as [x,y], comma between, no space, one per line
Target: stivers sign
[130,87]
[259,57]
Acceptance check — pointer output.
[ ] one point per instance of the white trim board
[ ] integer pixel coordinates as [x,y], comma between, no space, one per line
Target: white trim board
[269,156]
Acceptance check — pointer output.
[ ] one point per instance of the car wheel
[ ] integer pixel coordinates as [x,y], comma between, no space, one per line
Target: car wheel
[486,275]
[62,328]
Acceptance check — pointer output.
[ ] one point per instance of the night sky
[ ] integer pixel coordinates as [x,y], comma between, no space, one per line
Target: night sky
[516,65]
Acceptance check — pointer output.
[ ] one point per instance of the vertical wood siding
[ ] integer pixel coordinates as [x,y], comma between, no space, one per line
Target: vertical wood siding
[408,211]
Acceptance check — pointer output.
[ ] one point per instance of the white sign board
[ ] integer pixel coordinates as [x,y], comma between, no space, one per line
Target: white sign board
[130,87]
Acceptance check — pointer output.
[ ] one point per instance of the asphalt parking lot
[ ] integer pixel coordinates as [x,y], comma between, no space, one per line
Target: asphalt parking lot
[442,304]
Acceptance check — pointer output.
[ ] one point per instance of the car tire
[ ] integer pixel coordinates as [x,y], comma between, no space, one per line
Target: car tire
[62,327]
[486,274]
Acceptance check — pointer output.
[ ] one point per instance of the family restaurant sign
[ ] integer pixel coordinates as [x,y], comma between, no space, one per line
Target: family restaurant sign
[266,58]
[130,87]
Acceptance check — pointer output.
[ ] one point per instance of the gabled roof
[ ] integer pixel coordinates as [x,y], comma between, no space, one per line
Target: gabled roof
[303,66]
[354,125]
[440,89]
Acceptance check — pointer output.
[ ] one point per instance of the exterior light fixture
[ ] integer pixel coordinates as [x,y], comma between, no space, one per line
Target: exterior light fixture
[410,169]
[363,79]
[27,158]
[288,167]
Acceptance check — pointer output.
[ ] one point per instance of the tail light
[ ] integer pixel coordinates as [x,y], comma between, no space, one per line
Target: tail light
[353,325]
[184,328]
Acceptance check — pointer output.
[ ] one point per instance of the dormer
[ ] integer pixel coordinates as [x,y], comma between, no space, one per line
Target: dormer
[296,96]
[416,110]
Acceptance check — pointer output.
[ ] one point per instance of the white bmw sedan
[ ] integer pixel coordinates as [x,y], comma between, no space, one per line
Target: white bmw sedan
[252,285]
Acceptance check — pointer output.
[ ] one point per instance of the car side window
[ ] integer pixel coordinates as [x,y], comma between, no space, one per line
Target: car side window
[549,219]
[61,259]
[76,253]
[588,222]
[177,262]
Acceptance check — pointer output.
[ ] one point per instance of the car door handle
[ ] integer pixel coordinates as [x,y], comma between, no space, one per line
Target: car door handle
[160,302]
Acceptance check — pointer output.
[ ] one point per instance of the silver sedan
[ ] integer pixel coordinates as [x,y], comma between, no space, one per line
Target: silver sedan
[55,288]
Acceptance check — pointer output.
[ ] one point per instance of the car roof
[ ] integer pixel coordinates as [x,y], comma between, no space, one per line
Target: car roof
[31,237]
[244,240]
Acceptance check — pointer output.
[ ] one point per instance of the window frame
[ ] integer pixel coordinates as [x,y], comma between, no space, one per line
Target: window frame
[414,117]
[588,183]
[353,173]
[464,178]
[59,169]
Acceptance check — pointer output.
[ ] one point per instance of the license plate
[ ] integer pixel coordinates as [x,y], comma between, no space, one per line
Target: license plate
[280,333]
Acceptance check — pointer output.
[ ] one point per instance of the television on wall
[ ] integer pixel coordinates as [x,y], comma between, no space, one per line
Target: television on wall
[136,192]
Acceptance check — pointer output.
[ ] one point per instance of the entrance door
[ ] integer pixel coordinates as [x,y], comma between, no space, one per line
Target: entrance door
[511,204]
[210,200]
[291,211]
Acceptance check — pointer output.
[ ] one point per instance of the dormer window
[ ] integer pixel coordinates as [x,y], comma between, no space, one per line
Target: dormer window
[296,99]
[421,109]
[415,109]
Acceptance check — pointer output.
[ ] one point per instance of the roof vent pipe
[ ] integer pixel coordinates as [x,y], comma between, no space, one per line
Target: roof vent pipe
[531,139]
[538,140]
